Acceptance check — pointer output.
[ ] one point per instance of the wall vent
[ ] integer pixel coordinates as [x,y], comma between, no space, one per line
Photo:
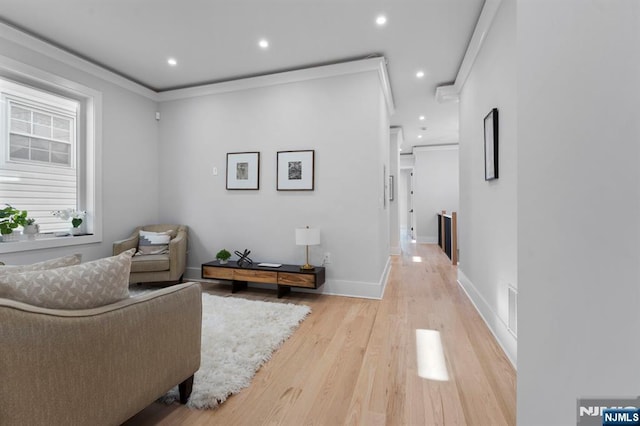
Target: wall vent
[513,311]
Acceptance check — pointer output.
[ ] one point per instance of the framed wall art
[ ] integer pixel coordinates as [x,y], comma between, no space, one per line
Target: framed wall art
[296,170]
[243,170]
[491,145]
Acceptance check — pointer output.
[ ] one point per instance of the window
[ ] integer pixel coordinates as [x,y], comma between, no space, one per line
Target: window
[49,152]
[39,170]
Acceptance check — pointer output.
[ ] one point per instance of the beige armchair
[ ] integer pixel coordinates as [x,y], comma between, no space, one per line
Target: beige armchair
[157,267]
[97,366]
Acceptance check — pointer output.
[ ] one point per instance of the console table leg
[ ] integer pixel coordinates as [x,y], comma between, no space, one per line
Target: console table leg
[236,286]
[283,290]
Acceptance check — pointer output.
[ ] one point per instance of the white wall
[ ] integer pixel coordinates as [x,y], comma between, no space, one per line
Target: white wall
[344,119]
[129,147]
[436,188]
[487,232]
[578,205]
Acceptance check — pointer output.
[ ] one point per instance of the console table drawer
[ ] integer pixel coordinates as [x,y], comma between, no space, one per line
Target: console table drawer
[255,276]
[217,273]
[297,280]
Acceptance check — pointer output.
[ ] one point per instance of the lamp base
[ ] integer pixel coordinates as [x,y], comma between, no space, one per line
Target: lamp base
[307,267]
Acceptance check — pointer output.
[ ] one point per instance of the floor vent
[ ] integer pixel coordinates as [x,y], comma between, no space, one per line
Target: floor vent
[513,311]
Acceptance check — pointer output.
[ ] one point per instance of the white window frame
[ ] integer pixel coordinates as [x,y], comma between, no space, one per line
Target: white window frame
[89,151]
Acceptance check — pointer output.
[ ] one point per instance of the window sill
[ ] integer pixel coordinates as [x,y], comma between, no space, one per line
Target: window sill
[45,241]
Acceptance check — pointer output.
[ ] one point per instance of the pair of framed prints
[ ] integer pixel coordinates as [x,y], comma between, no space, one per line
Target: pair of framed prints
[295,170]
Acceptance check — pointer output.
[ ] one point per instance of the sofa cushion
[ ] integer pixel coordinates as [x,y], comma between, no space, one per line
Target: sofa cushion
[150,263]
[88,285]
[73,259]
[153,243]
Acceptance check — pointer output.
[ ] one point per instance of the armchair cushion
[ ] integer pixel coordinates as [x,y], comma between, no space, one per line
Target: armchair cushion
[153,243]
[150,263]
[83,286]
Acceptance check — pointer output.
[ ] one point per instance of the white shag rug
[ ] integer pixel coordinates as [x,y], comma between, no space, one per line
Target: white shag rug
[238,337]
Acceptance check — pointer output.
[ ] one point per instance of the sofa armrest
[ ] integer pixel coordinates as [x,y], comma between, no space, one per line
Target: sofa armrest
[126,244]
[96,366]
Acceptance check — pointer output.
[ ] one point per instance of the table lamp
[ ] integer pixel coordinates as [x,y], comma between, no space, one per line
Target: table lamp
[307,237]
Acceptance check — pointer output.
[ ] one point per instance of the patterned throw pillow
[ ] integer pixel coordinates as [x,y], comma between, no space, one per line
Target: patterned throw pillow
[88,285]
[153,242]
[73,259]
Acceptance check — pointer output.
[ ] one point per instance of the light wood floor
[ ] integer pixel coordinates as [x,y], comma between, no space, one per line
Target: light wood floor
[353,361]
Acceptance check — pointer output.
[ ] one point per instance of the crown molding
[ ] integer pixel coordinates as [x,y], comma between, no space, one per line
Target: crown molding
[353,67]
[46,48]
[452,92]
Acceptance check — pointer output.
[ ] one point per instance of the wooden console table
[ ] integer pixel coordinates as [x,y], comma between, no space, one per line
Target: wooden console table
[285,277]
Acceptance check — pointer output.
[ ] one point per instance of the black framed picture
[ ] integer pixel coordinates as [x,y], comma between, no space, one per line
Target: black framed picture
[296,170]
[491,145]
[243,170]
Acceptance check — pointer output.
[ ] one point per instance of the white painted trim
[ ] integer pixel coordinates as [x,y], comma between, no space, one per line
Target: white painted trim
[452,92]
[33,43]
[395,251]
[384,280]
[326,71]
[360,289]
[496,325]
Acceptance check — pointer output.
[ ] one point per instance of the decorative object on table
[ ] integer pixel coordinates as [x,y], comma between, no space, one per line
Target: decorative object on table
[491,145]
[243,170]
[307,237]
[76,217]
[244,259]
[295,170]
[223,256]
[10,219]
[238,337]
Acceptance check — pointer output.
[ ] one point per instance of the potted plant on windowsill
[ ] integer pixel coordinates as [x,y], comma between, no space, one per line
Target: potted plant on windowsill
[30,227]
[223,256]
[76,217]
[10,219]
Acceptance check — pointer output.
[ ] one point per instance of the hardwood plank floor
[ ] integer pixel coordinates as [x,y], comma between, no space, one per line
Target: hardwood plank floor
[353,361]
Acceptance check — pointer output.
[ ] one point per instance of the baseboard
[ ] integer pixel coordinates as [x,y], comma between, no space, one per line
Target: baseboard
[360,289]
[427,239]
[498,328]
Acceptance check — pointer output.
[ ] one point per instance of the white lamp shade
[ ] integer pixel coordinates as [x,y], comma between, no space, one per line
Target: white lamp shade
[307,236]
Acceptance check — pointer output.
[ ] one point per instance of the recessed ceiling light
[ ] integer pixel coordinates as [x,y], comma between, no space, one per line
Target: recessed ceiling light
[420,74]
[381,20]
[421,117]
[263,43]
[172,62]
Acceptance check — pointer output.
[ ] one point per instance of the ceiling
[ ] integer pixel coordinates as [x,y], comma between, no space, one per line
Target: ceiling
[217,40]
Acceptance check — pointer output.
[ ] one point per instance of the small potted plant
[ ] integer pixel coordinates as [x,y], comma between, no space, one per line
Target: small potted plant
[223,256]
[10,219]
[30,227]
[76,217]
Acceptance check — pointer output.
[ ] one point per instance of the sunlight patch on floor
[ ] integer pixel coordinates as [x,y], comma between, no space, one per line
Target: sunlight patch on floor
[417,259]
[430,356]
